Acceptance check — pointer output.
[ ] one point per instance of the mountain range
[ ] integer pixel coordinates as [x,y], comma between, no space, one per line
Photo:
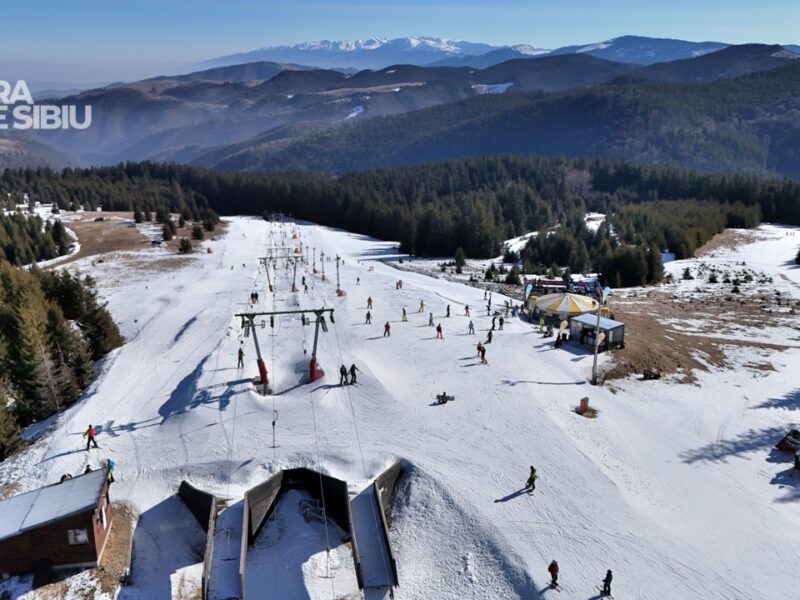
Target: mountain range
[269,115]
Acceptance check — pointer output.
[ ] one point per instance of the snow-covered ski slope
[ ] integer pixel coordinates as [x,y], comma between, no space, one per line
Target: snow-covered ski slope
[674,487]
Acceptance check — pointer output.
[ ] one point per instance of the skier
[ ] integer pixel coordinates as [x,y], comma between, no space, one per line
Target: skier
[471,328]
[488,338]
[387,330]
[430,319]
[369,302]
[90,434]
[342,375]
[439,332]
[501,321]
[448,310]
[405,316]
[305,288]
[421,306]
[483,355]
[466,310]
[353,370]
[369,319]
[358,280]
[479,347]
[240,363]
[607,583]
[256,297]
[488,310]
[531,483]
[494,323]
[553,570]
[484,294]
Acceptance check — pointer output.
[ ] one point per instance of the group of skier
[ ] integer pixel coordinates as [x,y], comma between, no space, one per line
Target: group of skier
[343,372]
[554,570]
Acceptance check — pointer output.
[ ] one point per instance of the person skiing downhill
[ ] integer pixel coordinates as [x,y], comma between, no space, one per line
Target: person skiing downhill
[421,306]
[531,483]
[448,310]
[342,375]
[607,583]
[240,362]
[430,319]
[369,319]
[353,370]
[387,330]
[369,302]
[439,332]
[488,338]
[90,434]
[553,570]
[482,352]
[405,316]
[471,328]
[466,310]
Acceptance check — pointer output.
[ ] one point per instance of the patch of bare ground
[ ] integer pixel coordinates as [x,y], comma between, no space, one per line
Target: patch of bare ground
[114,233]
[682,335]
[117,555]
[730,239]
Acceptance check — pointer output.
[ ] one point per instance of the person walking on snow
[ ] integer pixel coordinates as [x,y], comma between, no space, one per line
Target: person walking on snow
[353,370]
[488,338]
[607,583]
[405,316]
[369,319]
[369,302]
[430,319]
[240,362]
[439,332]
[387,330]
[483,355]
[553,570]
[342,375]
[90,434]
[531,483]
[421,306]
[466,310]
[471,328]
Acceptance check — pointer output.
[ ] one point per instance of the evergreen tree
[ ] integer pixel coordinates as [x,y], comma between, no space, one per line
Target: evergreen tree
[197,232]
[185,246]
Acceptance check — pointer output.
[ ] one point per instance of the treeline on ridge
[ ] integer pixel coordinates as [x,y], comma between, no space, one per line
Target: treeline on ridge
[52,328]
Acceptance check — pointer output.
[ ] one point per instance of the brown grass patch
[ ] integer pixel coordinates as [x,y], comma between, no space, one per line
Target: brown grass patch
[103,237]
[117,555]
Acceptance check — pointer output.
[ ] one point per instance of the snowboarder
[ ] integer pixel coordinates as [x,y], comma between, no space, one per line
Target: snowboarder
[369,319]
[421,306]
[405,316]
[466,310]
[353,370]
[553,570]
[448,310]
[471,328]
[439,332]
[342,375]
[369,302]
[500,322]
[240,362]
[430,319]
[607,583]
[531,483]
[488,338]
[90,434]
[387,330]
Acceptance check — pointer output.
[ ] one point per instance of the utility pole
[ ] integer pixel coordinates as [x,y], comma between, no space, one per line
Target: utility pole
[274,420]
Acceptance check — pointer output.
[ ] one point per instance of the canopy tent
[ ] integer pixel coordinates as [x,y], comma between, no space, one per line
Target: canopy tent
[567,304]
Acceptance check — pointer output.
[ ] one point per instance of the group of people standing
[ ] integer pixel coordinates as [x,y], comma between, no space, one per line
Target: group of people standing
[553,569]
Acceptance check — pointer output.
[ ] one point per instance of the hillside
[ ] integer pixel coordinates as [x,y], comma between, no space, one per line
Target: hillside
[749,124]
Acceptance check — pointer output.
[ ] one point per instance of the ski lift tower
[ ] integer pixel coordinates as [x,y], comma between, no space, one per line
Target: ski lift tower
[322,261]
[339,290]
[249,325]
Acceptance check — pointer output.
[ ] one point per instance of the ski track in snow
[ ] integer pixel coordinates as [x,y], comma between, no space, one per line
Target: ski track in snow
[672,486]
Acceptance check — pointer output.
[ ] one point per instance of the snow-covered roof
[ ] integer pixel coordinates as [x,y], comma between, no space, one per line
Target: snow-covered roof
[38,507]
[590,319]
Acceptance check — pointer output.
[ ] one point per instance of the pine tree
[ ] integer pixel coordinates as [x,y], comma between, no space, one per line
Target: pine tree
[166,233]
[197,232]
[137,216]
[185,246]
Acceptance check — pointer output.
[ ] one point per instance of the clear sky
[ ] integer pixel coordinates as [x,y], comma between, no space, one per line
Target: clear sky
[104,40]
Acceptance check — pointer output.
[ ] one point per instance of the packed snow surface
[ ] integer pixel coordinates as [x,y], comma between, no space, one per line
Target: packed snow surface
[673,487]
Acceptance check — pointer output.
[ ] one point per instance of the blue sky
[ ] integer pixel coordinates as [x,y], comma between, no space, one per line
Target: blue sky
[99,40]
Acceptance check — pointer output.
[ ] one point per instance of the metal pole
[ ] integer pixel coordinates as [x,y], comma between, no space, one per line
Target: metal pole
[596,346]
[262,368]
[312,375]
[337,272]
[274,420]
[294,276]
